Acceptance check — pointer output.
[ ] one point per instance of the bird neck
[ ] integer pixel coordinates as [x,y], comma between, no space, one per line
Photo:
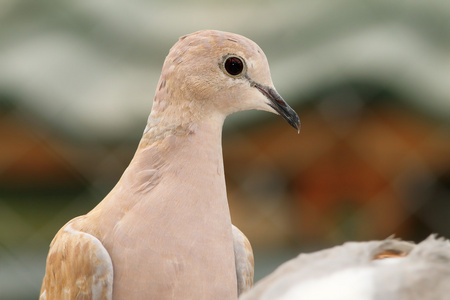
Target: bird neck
[184,127]
[189,153]
[178,117]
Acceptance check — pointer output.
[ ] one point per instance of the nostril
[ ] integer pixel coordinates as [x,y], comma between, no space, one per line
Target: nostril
[262,90]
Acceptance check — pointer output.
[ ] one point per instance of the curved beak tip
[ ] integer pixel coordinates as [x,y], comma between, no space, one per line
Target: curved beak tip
[293,120]
[285,111]
[298,125]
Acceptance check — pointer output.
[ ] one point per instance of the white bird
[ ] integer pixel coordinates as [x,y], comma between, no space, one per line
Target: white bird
[164,231]
[376,270]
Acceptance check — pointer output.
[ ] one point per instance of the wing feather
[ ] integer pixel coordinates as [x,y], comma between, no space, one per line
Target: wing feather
[243,254]
[78,267]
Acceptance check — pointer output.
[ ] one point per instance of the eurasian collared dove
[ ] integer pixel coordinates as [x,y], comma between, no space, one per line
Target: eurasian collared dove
[164,231]
[376,270]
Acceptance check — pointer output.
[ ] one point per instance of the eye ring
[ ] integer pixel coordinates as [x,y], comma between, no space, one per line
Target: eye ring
[234,66]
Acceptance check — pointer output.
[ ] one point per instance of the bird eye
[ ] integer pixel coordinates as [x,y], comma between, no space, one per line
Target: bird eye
[234,65]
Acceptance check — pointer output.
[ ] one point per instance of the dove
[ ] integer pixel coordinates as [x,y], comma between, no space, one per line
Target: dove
[372,270]
[164,231]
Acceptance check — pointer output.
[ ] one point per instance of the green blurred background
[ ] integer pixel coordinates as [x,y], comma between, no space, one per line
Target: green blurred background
[369,79]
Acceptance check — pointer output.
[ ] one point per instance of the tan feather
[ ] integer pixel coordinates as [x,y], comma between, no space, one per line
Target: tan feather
[243,255]
[78,267]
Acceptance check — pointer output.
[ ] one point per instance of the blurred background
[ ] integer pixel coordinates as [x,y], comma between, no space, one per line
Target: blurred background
[370,81]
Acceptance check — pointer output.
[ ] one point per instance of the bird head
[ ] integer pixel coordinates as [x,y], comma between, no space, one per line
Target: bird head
[212,72]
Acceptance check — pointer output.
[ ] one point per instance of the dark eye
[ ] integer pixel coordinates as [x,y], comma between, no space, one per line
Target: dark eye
[234,65]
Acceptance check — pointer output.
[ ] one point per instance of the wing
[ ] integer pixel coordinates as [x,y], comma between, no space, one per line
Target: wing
[78,267]
[244,260]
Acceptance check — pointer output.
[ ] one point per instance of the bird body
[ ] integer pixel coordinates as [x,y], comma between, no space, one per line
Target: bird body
[164,231]
[374,270]
[192,238]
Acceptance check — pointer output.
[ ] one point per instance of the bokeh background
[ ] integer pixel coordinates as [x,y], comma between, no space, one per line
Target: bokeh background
[369,79]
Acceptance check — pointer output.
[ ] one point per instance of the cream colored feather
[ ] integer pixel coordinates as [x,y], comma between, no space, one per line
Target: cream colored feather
[374,270]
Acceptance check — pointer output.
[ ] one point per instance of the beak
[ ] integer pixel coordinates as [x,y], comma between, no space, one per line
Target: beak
[280,106]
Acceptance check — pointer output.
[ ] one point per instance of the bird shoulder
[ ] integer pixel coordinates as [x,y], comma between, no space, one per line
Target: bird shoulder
[78,267]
